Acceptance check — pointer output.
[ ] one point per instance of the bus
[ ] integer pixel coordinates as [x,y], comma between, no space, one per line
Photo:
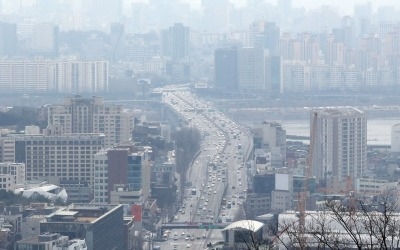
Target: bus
[194,191]
[223,201]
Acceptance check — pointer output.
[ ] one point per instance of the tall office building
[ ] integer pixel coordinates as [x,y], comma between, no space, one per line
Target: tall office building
[395,138]
[225,68]
[340,144]
[216,15]
[8,39]
[251,68]
[175,42]
[43,40]
[84,115]
[122,175]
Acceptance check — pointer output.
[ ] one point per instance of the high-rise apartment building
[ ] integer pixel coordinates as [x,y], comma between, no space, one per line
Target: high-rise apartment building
[340,143]
[68,156]
[84,115]
[75,76]
[251,68]
[53,76]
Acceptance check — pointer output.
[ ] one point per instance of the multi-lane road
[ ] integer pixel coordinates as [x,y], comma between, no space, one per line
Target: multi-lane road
[218,174]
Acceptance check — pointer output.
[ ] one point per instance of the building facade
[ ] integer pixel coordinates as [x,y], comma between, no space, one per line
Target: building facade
[340,143]
[11,174]
[58,157]
[123,171]
[53,76]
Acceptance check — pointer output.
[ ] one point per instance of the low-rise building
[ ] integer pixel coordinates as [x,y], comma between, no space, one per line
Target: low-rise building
[50,241]
[102,226]
[11,174]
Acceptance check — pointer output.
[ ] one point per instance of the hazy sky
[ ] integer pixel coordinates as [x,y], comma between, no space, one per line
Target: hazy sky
[343,5]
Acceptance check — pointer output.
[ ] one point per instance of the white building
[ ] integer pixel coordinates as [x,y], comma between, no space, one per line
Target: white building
[49,191]
[340,143]
[68,156]
[11,174]
[49,76]
[100,177]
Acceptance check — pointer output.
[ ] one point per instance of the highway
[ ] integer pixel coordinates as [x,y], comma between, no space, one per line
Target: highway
[218,175]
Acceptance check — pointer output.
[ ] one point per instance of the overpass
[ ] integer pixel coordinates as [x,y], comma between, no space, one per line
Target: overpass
[193,225]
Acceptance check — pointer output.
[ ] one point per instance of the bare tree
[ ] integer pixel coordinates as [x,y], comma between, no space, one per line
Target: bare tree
[358,223]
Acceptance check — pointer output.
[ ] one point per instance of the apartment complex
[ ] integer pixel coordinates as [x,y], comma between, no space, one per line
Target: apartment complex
[340,144]
[84,115]
[53,76]
[68,156]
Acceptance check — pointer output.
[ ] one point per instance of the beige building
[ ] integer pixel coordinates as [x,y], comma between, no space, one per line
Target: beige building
[7,149]
[11,174]
[84,115]
[68,156]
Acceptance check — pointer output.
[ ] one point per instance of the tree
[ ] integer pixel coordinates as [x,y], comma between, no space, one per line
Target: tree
[357,223]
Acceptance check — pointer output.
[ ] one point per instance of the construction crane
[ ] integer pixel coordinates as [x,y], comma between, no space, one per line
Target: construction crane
[308,174]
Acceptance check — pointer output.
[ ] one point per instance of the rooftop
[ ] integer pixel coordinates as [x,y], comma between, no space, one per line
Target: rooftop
[338,111]
[250,225]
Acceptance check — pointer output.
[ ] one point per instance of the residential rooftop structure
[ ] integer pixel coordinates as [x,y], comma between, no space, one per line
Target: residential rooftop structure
[102,226]
[238,233]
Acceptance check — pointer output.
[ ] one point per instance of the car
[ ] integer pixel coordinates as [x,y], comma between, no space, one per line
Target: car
[183,233]
[175,237]
[204,236]
[188,245]
[187,238]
